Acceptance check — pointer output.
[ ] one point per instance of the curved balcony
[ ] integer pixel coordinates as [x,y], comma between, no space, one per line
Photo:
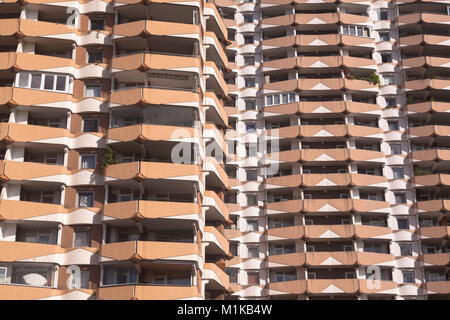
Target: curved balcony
[25,292]
[153,95]
[145,61]
[20,171]
[377,287]
[20,28]
[319,62]
[148,292]
[329,231]
[217,209]
[216,175]
[296,259]
[343,180]
[291,181]
[214,79]
[145,209]
[211,13]
[434,155]
[438,232]
[372,232]
[216,243]
[422,84]
[429,131]
[14,210]
[149,250]
[340,130]
[292,206]
[17,132]
[432,180]
[216,277]
[120,3]
[332,286]
[433,205]
[437,287]
[418,17]
[372,258]
[151,132]
[156,28]
[215,110]
[423,39]
[424,61]
[331,258]
[285,233]
[141,170]
[17,61]
[287,287]
[47,253]
[436,259]
[427,107]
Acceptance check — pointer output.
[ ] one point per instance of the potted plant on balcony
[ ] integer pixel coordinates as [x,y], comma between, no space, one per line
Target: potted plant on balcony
[108,158]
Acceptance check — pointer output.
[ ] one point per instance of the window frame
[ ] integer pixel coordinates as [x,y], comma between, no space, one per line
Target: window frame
[85,192]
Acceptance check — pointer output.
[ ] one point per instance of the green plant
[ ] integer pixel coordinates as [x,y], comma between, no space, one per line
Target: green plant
[108,158]
[374,79]
[421,172]
[430,74]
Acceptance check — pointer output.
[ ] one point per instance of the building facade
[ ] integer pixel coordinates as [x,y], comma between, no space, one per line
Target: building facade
[257,149]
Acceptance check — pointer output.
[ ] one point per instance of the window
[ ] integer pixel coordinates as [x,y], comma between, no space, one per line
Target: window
[248,39]
[250,127]
[393,125]
[250,82]
[386,58]
[95,56]
[2,275]
[388,79]
[88,161]
[93,90]
[252,225]
[253,252]
[251,175]
[97,24]
[85,199]
[403,224]
[435,276]
[43,81]
[249,60]
[311,275]
[400,198]
[408,276]
[84,279]
[391,102]
[352,30]
[47,197]
[252,200]
[383,14]
[384,36]
[248,18]
[253,277]
[250,105]
[251,149]
[349,275]
[396,148]
[283,98]
[398,173]
[82,238]
[405,249]
[233,274]
[285,276]
[90,125]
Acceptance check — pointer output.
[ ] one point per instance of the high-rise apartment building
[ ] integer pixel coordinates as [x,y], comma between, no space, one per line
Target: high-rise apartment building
[256,149]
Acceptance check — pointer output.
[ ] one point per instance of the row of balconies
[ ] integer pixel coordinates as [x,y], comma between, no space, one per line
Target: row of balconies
[348,286]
